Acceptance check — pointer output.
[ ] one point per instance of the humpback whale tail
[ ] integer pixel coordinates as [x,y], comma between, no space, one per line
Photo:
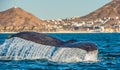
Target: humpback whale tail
[32,45]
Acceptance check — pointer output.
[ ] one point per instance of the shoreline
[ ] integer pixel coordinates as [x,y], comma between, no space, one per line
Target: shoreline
[58,32]
[8,32]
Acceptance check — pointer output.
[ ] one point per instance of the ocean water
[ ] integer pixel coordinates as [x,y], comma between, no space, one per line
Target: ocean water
[109,54]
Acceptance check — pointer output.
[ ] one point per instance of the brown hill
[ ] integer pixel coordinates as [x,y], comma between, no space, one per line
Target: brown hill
[16,19]
[111,9]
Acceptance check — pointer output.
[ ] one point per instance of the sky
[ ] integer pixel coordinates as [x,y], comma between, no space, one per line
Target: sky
[55,9]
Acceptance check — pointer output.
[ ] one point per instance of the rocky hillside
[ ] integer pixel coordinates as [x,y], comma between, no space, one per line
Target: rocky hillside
[111,9]
[16,19]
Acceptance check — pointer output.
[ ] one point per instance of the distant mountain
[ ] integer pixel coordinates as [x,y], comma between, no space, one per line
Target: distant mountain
[16,19]
[111,9]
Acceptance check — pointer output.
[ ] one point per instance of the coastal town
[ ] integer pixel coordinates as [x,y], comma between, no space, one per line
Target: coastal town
[106,24]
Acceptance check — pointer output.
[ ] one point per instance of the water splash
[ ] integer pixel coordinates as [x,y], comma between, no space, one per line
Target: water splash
[22,49]
[18,48]
[69,55]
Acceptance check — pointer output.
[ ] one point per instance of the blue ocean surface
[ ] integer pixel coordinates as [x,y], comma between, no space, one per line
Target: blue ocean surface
[109,54]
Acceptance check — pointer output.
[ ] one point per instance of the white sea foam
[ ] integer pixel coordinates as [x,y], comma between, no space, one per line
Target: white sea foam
[18,48]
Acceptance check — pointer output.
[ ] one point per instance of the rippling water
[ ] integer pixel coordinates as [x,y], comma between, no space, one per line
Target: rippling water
[109,54]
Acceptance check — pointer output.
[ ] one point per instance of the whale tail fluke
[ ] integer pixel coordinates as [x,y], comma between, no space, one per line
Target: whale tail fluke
[32,45]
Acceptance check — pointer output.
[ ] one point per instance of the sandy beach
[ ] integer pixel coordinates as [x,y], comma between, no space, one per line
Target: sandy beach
[58,32]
